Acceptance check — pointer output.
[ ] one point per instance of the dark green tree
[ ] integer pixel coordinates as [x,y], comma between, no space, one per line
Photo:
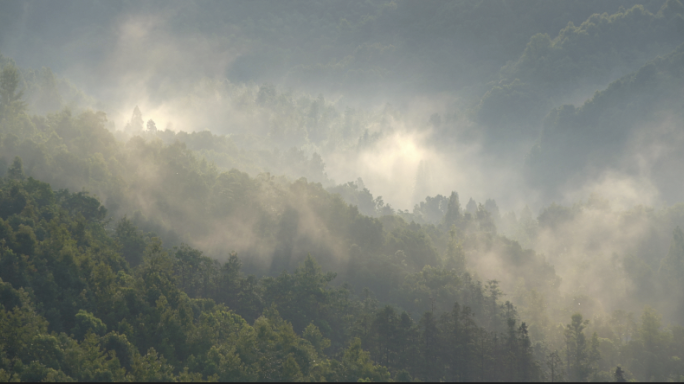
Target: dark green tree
[131,240]
[386,333]
[555,365]
[16,170]
[577,350]
[430,348]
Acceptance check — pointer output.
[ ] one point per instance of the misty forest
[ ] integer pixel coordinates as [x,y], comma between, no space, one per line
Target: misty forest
[378,190]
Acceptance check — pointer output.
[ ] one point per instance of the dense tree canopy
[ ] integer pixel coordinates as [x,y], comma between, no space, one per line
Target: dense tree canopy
[224,251]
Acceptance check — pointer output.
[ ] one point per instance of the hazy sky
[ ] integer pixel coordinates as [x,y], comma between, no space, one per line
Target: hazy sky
[437,58]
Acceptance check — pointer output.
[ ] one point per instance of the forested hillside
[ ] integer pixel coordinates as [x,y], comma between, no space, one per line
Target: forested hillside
[607,130]
[336,191]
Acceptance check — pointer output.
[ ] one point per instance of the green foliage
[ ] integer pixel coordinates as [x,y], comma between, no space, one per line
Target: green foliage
[131,240]
[70,273]
[356,365]
[165,306]
[56,252]
[11,103]
[16,170]
[87,323]
[577,349]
